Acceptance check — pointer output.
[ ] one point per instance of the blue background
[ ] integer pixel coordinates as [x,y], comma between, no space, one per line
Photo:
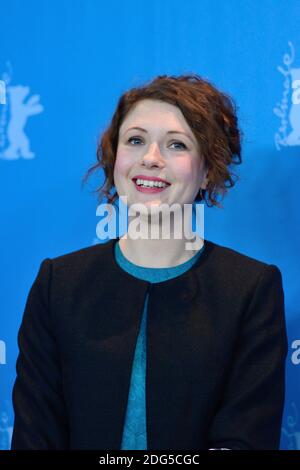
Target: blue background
[80,56]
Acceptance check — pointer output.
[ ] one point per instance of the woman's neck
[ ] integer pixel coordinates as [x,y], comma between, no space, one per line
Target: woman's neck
[159,253]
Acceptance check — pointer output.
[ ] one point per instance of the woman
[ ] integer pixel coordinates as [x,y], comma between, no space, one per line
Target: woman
[151,342]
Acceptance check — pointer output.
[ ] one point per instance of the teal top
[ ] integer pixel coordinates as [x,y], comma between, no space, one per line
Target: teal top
[135,431]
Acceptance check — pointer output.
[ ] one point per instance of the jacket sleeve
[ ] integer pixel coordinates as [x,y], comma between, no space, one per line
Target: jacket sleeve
[40,414]
[250,413]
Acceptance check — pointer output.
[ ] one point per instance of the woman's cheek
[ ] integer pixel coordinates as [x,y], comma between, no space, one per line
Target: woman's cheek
[185,170]
[122,163]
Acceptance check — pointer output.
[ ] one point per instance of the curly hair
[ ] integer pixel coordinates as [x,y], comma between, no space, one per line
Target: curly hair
[211,115]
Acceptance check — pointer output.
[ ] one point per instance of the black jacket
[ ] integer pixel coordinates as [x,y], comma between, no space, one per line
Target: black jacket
[216,350]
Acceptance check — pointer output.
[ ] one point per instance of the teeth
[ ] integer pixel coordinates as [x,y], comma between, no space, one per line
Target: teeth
[150,184]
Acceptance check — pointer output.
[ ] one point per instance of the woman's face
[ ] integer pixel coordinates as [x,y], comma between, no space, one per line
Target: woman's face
[156,141]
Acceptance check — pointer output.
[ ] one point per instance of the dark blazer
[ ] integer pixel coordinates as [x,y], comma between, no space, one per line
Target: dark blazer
[216,350]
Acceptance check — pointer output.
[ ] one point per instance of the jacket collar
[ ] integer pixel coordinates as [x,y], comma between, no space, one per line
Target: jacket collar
[184,279]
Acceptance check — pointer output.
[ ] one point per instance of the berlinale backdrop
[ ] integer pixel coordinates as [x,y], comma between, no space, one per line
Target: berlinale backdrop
[63,66]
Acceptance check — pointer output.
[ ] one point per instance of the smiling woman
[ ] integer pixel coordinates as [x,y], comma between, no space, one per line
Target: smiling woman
[207,124]
[139,343]
[178,165]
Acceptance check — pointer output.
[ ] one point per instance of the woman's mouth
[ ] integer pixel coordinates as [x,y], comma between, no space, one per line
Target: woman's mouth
[150,186]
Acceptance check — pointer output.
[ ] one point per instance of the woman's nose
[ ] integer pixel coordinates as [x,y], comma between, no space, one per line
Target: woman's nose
[153,155]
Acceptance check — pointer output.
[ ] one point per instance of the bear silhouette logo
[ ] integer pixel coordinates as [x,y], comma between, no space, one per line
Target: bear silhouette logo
[20,111]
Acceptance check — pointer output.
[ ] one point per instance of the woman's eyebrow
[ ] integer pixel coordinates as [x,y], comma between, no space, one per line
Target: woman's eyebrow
[169,132]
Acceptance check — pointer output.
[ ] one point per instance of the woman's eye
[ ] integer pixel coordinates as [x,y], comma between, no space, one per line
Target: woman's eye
[133,138]
[179,143]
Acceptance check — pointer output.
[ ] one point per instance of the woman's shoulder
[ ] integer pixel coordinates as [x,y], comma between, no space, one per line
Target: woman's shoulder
[226,253]
[232,263]
[84,257]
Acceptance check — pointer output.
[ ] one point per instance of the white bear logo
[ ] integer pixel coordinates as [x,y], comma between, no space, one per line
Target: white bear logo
[19,146]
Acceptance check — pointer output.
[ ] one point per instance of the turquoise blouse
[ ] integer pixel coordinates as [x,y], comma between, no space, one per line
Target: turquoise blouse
[134,431]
